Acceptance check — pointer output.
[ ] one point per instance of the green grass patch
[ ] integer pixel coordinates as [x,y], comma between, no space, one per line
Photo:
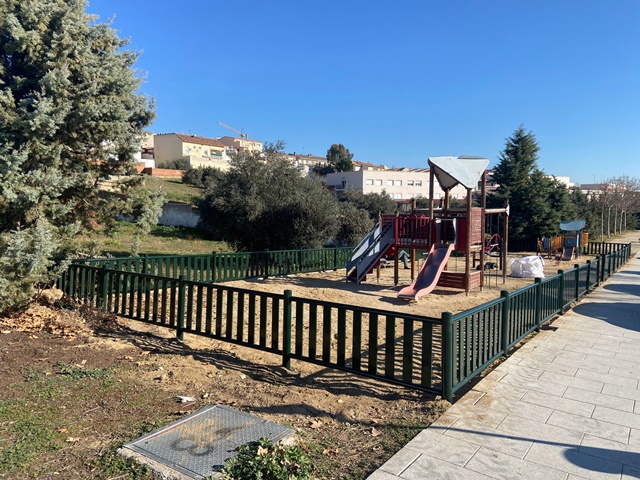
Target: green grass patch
[161,240]
[65,410]
[174,189]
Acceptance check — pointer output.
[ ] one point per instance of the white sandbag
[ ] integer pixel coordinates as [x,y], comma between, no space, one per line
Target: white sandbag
[527,267]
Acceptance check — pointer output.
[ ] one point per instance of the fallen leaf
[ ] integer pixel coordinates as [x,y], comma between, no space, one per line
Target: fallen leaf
[6,332]
[377,420]
[375,432]
[330,451]
[143,353]
[72,439]
[315,424]
[83,362]
[62,430]
[262,451]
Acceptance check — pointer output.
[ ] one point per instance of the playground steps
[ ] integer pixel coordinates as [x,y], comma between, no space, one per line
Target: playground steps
[456,279]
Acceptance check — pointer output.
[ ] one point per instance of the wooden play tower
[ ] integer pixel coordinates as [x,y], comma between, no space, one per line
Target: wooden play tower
[419,231]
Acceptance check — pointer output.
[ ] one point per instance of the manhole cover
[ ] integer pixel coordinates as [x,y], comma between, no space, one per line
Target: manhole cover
[199,444]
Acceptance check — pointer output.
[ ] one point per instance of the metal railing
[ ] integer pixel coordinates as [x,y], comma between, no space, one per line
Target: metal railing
[222,267]
[438,355]
[474,339]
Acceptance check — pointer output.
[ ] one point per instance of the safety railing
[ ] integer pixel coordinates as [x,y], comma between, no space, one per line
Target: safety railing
[222,267]
[474,339]
[438,355]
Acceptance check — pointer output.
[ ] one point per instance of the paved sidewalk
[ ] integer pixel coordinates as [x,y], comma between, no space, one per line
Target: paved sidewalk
[565,406]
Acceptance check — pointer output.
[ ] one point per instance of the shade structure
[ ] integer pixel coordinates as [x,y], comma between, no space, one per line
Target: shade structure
[572,225]
[464,170]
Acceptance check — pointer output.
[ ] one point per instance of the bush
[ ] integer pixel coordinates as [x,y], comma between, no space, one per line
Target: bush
[266,461]
[178,164]
[202,177]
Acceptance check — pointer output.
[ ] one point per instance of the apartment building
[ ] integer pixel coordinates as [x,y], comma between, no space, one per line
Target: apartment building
[399,184]
[241,144]
[197,151]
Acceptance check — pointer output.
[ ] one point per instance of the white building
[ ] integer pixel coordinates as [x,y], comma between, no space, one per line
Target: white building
[399,184]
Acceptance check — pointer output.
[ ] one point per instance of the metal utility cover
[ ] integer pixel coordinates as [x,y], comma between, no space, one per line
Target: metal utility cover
[199,444]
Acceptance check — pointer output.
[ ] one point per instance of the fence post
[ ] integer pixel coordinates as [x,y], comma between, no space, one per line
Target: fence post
[447,356]
[538,308]
[104,278]
[505,322]
[577,287]
[561,291]
[181,304]
[214,267]
[588,287]
[335,259]
[286,330]
[603,258]
[266,263]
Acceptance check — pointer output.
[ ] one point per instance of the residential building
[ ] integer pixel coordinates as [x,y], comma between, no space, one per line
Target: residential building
[399,184]
[305,162]
[197,151]
[240,144]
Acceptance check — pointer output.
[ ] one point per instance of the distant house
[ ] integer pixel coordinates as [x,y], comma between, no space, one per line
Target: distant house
[197,151]
[240,144]
[305,162]
[399,184]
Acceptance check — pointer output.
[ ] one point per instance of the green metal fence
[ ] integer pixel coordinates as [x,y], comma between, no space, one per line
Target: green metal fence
[438,355]
[222,267]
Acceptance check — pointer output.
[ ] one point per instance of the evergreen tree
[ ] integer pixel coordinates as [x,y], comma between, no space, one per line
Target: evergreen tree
[537,202]
[339,159]
[70,117]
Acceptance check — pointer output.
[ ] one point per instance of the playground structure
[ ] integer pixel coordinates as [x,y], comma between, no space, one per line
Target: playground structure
[573,241]
[442,232]
[571,238]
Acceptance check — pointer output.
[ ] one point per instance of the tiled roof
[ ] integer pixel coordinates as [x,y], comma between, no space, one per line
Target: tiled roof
[211,142]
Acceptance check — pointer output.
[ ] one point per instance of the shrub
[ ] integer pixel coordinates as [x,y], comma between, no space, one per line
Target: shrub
[268,461]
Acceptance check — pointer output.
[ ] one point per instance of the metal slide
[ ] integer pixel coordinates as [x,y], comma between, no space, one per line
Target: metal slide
[369,252]
[429,274]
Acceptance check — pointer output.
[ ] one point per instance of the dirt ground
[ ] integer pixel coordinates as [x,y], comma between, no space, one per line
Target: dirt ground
[355,424]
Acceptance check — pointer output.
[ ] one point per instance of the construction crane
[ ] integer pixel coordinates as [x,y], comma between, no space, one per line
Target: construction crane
[242,135]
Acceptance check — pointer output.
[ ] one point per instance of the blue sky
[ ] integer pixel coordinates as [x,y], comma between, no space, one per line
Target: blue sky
[397,82]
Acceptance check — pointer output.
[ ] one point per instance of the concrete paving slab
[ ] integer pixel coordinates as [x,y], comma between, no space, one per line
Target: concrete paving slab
[506,467]
[602,399]
[580,424]
[558,404]
[610,378]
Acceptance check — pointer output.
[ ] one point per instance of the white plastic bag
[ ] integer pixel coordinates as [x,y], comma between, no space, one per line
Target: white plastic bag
[527,267]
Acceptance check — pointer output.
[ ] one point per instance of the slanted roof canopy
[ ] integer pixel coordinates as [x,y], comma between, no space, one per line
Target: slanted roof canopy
[464,170]
[572,225]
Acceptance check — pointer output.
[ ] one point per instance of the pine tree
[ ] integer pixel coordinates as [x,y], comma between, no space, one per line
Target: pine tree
[70,116]
[537,202]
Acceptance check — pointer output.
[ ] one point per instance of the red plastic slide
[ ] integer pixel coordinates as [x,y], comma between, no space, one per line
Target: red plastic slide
[429,274]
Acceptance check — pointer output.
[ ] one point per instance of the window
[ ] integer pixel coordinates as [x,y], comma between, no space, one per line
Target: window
[409,183]
[398,183]
[378,182]
[397,195]
[369,181]
[206,152]
[418,183]
[389,183]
